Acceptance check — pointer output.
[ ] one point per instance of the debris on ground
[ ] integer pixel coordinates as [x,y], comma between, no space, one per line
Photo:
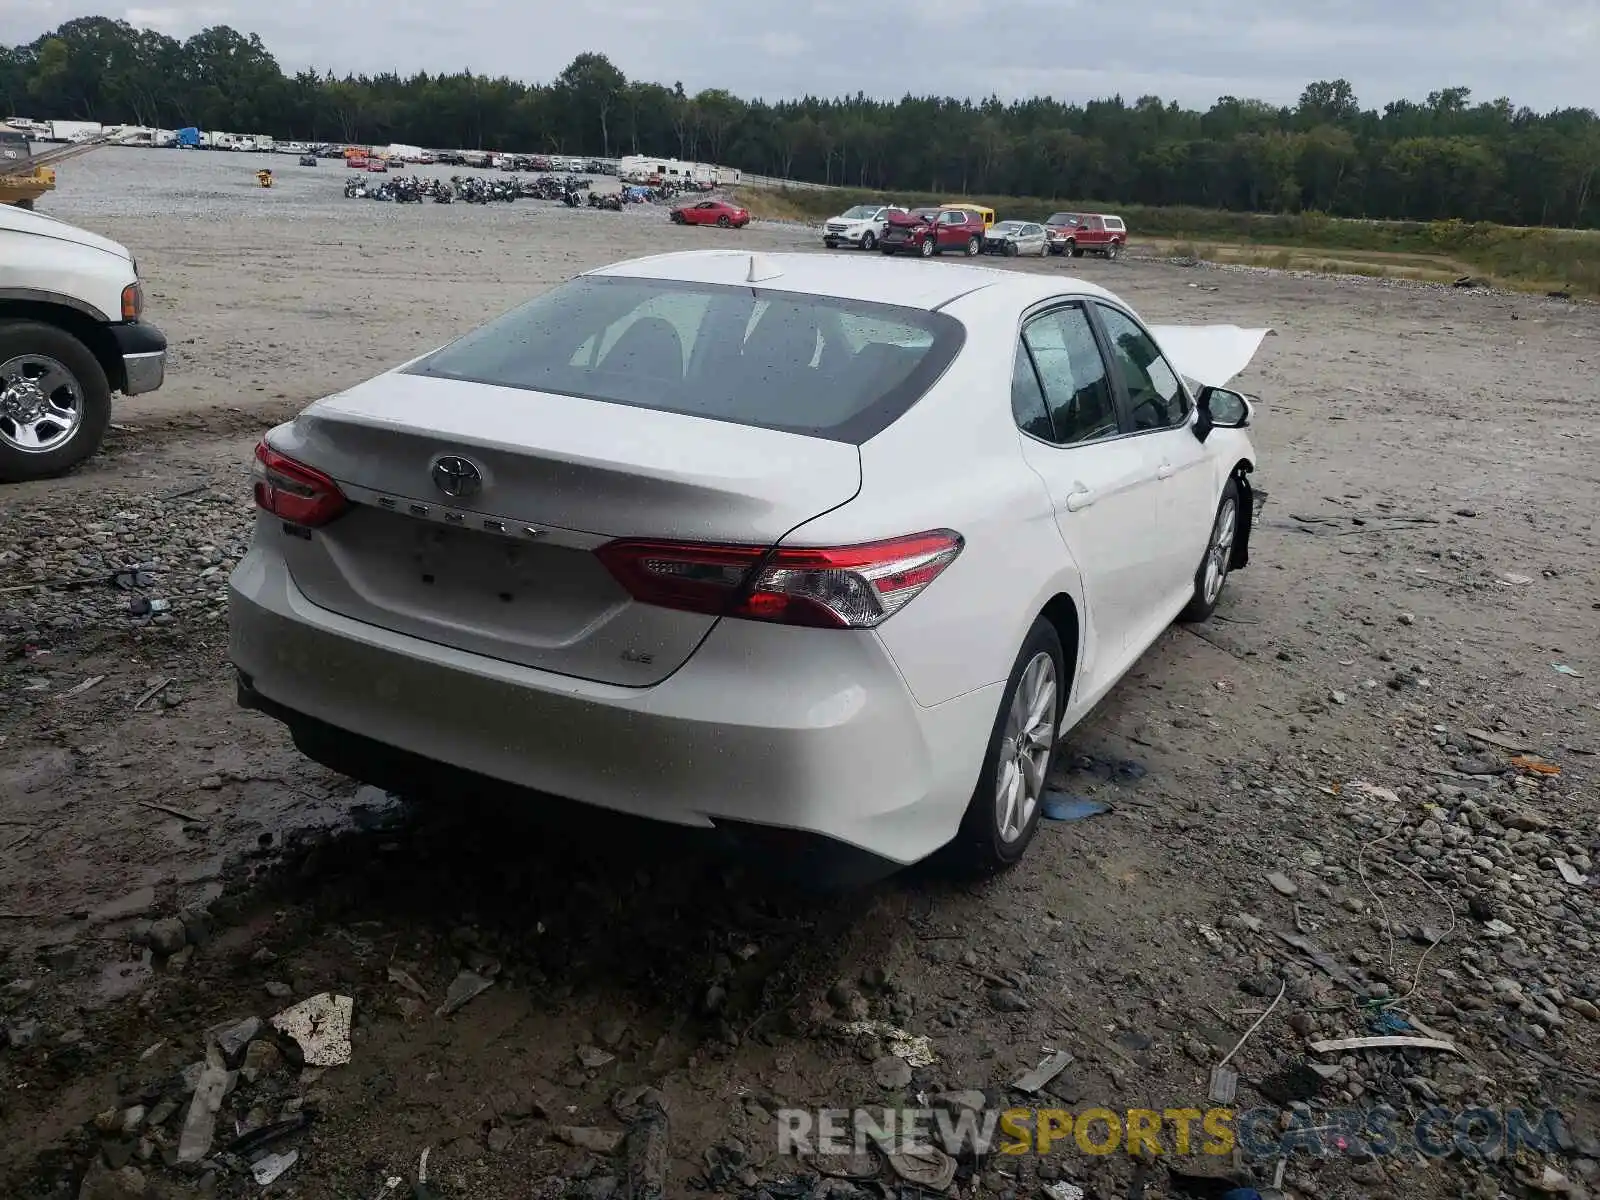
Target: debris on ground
[588,1137]
[1389,1042]
[891,1073]
[926,1167]
[645,1151]
[463,988]
[1059,806]
[1040,1077]
[320,1026]
[200,1126]
[916,1049]
[270,1167]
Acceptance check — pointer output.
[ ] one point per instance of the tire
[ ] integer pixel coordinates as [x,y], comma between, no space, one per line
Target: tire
[830,243]
[928,248]
[32,349]
[984,845]
[1012,250]
[1073,251]
[1212,573]
[886,250]
[723,222]
[1111,252]
[868,241]
[26,205]
[1055,251]
[973,246]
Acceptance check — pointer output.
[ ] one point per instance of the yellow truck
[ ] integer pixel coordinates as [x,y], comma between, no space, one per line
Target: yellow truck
[21,181]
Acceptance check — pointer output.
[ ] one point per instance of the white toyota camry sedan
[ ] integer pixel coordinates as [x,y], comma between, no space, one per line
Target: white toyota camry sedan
[831,547]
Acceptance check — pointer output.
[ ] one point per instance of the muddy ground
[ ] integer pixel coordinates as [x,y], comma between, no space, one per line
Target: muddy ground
[1425,560]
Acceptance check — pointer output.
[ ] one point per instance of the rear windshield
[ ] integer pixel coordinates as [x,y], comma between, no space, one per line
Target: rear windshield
[816,365]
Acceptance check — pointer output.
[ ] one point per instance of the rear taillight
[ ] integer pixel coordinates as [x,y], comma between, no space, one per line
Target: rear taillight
[850,587]
[291,490]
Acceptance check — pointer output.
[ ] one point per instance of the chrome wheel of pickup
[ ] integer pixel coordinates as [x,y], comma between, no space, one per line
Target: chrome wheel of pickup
[41,404]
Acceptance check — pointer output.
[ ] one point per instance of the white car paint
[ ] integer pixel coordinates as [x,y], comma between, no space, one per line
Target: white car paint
[874,736]
[860,227]
[43,257]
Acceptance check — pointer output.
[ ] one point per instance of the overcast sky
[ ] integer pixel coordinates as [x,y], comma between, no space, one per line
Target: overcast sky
[1538,52]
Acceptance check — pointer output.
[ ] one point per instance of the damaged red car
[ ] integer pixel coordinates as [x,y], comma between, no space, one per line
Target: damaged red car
[930,231]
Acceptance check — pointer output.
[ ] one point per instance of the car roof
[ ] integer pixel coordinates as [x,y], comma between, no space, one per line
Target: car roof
[874,278]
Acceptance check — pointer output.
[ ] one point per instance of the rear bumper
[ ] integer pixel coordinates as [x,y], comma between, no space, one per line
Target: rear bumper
[143,349]
[791,729]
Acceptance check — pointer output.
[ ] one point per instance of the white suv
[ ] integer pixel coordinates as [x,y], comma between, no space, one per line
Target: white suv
[861,227]
[70,335]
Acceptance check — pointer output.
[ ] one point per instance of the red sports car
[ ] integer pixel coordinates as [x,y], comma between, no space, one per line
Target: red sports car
[711,212]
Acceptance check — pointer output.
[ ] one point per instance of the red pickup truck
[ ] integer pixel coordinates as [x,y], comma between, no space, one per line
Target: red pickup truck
[1080,233]
[930,231]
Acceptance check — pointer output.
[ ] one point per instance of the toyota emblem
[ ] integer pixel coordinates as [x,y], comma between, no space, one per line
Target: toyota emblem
[456,477]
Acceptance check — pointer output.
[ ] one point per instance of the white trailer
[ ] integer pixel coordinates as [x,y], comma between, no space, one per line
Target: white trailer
[633,167]
[74,131]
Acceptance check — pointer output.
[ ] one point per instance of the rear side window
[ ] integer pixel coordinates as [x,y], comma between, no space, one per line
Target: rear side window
[1114,223]
[816,365]
[1077,388]
[1027,398]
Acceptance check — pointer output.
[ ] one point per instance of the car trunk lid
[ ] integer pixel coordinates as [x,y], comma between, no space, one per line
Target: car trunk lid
[509,571]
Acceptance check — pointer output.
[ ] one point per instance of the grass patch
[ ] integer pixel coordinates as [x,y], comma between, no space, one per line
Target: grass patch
[1533,259]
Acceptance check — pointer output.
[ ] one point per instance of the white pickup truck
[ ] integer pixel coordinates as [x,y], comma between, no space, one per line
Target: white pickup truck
[861,227]
[70,335]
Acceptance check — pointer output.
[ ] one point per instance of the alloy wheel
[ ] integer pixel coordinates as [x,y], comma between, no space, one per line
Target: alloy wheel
[1030,732]
[1221,549]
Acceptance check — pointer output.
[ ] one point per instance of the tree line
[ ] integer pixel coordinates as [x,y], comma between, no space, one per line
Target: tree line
[1446,157]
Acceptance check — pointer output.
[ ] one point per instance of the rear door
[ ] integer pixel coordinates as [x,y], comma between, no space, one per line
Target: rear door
[951,230]
[1100,481]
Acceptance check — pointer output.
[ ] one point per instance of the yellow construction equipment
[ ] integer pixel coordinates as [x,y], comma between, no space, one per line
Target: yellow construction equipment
[24,176]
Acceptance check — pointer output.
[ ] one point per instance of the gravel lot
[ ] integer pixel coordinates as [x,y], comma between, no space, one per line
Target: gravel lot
[1330,761]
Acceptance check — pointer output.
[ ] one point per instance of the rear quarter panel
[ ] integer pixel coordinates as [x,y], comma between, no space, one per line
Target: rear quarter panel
[954,461]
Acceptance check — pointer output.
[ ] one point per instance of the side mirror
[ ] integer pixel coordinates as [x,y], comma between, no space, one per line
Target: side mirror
[1220,408]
